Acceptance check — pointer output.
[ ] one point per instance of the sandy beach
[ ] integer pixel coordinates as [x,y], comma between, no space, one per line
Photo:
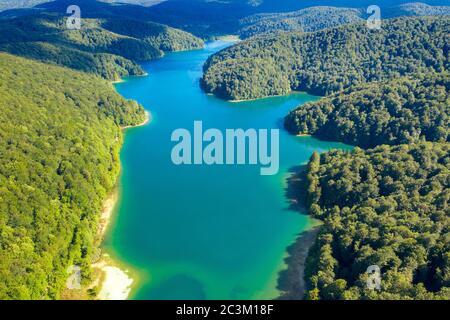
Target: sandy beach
[115,283]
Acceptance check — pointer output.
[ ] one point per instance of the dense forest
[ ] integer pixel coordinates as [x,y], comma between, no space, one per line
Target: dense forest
[319,18]
[404,110]
[306,20]
[98,47]
[328,61]
[157,35]
[59,143]
[386,206]
[208,19]
[387,89]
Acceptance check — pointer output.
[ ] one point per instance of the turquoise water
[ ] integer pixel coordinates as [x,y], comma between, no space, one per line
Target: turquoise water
[202,232]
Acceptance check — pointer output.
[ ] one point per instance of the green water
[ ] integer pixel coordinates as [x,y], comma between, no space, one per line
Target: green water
[202,232]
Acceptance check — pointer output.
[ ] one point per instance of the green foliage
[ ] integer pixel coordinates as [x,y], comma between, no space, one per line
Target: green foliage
[94,48]
[404,110]
[105,65]
[257,71]
[59,142]
[157,35]
[306,20]
[388,207]
[331,60]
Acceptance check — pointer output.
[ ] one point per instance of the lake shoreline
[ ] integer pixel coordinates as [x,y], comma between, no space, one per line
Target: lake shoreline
[265,97]
[114,281]
[148,118]
[146,240]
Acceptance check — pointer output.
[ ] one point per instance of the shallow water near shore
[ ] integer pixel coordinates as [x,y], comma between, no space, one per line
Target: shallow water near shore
[203,232]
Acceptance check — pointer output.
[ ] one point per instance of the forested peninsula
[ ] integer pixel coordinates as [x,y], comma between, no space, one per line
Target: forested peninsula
[386,91]
[403,110]
[386,205]
[328,61]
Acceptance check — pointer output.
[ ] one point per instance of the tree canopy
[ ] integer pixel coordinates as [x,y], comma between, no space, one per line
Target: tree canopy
[386,206]
[59,146]
[404,110]
[109,48]
[328,61]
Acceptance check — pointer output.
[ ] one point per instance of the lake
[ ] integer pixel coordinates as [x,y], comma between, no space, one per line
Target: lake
[198,231]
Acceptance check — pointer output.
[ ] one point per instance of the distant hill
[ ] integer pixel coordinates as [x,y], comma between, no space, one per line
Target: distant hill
[318,18]
[417,9]
[144,3]
[307,20]
[109,48]
[208,18]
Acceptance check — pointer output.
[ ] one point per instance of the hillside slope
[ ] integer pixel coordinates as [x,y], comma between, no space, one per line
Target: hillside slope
[59,141]
[306,20]
[404,110]
[328,61]
[387,207]
[319,18]
[98,47]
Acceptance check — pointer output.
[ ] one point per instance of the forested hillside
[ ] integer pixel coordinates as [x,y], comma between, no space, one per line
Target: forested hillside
[98,47]
[306,20]
[404,110]
[328,61]
[319,18]
[157,35]
[208,19]
[386,206]
[59,145]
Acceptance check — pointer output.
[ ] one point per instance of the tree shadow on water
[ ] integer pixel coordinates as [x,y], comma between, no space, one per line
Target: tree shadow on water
[291,282]
[295,191]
